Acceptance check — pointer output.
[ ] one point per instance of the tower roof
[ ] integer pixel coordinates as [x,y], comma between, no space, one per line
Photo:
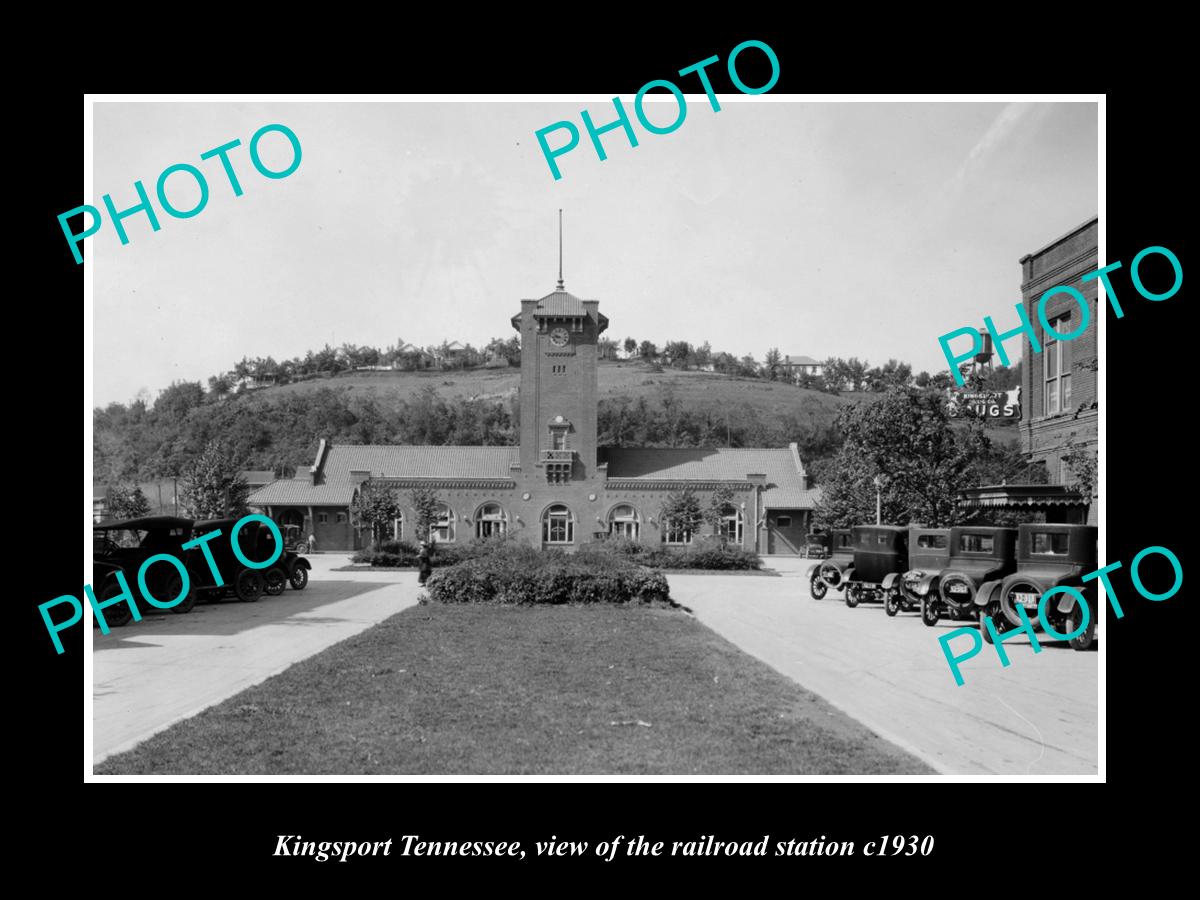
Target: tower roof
[562,305]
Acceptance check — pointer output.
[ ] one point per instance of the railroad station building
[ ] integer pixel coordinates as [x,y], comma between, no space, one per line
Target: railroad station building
[557,488]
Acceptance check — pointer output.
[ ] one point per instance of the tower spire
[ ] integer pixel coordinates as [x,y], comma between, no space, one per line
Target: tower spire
[560,278]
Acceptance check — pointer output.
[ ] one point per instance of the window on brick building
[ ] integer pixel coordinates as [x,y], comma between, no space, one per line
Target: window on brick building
[675,534]
[490,521]
[322,518]
[1056,358]
[558,525]
[623,522]
[730,528]
[442,527]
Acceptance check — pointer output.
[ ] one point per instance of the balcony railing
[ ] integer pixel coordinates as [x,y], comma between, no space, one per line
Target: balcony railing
[558,455]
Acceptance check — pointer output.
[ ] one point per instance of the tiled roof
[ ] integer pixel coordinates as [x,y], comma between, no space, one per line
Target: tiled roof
[560,303]
[782,468]
[407,461]
[302,492]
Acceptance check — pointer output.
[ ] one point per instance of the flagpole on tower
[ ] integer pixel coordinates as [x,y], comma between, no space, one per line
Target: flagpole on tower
[560,278]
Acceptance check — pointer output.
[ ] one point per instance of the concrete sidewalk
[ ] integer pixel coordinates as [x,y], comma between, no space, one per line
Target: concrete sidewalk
[1038,716]
[148,675]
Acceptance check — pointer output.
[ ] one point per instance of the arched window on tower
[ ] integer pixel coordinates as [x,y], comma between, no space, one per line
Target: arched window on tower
[558,525]
[490,521]
[623,522]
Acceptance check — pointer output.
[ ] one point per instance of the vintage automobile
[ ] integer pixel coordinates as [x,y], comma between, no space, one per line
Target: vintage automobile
[291,568]
[928,555]
[978,554]
[880,558]
[817,545]
[1048,555]
[126,544]
[256,543]
[831,573]
[105,586]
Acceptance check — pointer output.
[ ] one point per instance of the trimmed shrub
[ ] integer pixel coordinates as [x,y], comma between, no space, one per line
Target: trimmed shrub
[517,573]
[703,555]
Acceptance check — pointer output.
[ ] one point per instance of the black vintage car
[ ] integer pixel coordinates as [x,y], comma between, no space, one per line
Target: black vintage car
[257,544]
[124,545]
[928,555]
[880,558]
[1048,555]
[291,568]
[978,554]
[831,573]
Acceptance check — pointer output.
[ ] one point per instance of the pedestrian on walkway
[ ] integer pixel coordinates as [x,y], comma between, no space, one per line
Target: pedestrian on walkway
[312,543]
[425,562]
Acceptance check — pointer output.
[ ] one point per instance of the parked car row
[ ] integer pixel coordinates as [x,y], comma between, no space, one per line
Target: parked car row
[123,546]
[967,573]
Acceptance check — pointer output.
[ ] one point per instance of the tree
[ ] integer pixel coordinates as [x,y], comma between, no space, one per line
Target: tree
[681,511]
[127,502]
[677,353]
[376,504]
[647,351]
[1084,467]
[630,346]
[906,437]
[702,355]
[177,400]
[773,364]
[720,499]
[213,486]
[426,506]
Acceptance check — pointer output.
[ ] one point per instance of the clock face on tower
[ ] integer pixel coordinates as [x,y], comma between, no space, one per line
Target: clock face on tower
[559,337]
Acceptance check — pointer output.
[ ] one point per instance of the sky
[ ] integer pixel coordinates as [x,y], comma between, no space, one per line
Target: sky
[823,229]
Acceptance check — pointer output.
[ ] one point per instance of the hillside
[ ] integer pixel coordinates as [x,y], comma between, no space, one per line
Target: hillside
[632,379]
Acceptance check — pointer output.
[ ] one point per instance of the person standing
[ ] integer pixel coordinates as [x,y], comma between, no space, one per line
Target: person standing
[424,562]
[312,543]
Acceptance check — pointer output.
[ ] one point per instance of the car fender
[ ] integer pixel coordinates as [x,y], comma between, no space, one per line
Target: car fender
[1066,602]
[986,593]
[812,571]
[300,563]
[890,580]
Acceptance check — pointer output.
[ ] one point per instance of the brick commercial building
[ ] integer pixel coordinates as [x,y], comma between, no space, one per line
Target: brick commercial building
[557,488]
[1060,412]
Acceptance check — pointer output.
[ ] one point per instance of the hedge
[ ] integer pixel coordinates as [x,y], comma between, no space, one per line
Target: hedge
[517,573]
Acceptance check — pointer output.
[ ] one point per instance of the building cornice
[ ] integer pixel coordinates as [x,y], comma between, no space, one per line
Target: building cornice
[1052,274]
[487,484]
[633,484]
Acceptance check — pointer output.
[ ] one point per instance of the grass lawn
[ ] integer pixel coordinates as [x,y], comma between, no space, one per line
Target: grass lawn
[522,690]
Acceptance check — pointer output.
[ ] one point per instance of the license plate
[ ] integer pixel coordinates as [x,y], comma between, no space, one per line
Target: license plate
[1026,599]
[957,589]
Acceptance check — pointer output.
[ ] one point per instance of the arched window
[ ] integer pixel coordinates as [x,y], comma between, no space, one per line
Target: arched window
[675,533]
[442,528]
[490,521]
[623,522]
[558,525]
[398,528]
[730,528]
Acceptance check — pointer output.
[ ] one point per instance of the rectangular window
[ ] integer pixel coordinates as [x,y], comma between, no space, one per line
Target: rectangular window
[558,440]
[341,518]
[1049,543]
[882,540]
[676,535]
[322,518]
[784,522]
[932,541]
[978,543]
[1056,356]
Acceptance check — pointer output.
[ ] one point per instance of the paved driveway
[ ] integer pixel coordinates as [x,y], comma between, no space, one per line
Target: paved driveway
[1038,716]
[149,674]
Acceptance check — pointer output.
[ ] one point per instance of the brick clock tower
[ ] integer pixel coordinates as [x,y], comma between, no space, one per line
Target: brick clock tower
[559,355]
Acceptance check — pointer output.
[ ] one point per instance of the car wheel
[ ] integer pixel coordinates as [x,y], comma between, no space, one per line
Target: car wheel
[117,615]
[1019,584]
[891,603]
[1085,640]
[929,613]
[173,587]
[852,597]
[998,622]
[249,585]
[818,587]
[276,581]
[299,578]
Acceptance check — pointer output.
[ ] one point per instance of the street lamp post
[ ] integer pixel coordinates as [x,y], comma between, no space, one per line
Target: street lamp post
[879,483]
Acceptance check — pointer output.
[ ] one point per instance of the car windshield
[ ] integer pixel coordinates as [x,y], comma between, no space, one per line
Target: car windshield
[934,541]
[116,539]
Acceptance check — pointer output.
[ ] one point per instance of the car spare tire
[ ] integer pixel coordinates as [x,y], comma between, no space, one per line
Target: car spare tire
[174,586]
[831,574]
[1021,590]
[957,590]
